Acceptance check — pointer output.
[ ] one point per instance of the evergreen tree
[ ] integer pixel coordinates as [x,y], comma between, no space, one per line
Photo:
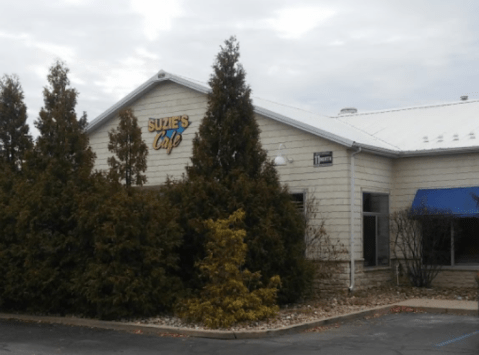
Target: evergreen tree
[63,145]
[15,143]
[8,237]
[57,173]
[14,131]
[230,171]
[228,141]
[130,150]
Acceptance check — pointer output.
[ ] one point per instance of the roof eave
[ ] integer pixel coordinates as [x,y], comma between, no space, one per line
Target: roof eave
[138,92]
[414,153]
[439,151]
[128,99]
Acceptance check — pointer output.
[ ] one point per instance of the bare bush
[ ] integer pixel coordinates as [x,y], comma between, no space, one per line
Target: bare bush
[418,244]
[320,248]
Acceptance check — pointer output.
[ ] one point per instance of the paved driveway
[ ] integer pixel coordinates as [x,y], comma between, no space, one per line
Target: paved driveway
[391,334]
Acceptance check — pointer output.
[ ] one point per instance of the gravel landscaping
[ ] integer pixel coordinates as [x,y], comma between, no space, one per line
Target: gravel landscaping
[329,307]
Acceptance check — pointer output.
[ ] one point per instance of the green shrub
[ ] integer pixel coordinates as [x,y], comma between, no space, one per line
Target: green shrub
[231,294]
[135,237]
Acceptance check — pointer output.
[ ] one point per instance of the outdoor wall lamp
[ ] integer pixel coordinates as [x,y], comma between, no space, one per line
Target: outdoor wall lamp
[280,159]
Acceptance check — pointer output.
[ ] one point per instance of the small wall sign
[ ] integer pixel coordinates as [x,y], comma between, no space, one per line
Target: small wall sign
[323,159]
[169,130]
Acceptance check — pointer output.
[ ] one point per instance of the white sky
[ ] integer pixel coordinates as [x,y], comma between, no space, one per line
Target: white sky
[317,55]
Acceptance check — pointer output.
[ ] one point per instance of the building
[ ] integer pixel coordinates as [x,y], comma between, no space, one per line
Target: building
[359,166]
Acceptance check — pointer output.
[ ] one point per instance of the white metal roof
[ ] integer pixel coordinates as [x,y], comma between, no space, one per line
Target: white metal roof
[448,126]
[398,132]
[324,126]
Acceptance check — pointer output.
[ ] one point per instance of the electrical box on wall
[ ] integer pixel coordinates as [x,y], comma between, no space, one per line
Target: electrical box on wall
[323,159]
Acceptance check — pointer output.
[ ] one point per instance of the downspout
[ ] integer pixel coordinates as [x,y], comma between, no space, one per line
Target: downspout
[351,223]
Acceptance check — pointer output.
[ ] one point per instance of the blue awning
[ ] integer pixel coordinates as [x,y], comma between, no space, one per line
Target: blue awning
[458,202]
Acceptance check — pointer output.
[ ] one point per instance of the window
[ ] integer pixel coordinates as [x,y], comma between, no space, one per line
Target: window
[298,200]
[375,229]
[450,224]
[453,242]
[466,241]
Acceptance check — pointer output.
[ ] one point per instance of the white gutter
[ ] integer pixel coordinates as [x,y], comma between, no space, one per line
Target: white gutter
[438,151]
[388,153]
[351,223]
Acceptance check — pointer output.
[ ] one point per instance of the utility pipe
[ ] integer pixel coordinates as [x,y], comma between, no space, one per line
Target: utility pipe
[351,223]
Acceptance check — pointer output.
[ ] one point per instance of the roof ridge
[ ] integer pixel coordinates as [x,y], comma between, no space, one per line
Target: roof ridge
[371,135]
[408,108]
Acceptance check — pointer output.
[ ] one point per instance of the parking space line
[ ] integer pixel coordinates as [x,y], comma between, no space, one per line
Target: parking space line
[457,339]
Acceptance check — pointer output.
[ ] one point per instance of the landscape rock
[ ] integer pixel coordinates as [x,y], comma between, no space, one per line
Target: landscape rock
[327,307]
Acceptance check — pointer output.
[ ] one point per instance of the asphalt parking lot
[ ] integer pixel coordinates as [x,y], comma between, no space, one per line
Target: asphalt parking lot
[404,333]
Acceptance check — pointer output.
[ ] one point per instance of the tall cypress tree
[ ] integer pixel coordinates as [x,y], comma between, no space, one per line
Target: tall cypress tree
[229,171]
[228,141]
[63,145]
[129,164]
[15,139]
[58,172]
[15,142]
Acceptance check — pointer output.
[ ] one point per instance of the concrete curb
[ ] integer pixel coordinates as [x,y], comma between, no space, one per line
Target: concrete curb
[438,310]
[224,334]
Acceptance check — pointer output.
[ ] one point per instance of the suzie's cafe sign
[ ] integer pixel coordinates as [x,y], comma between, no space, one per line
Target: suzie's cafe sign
[168,131]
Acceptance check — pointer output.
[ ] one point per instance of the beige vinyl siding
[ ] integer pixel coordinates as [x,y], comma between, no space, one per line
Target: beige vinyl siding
[411,174]
[165,100]
[372,174]
[328,184]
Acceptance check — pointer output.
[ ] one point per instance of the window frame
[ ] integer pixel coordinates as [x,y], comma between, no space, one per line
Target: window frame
[303,192]
[453,231]
[384,214]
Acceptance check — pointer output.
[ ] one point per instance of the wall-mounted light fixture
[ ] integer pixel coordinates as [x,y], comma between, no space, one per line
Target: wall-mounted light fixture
[282,158]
